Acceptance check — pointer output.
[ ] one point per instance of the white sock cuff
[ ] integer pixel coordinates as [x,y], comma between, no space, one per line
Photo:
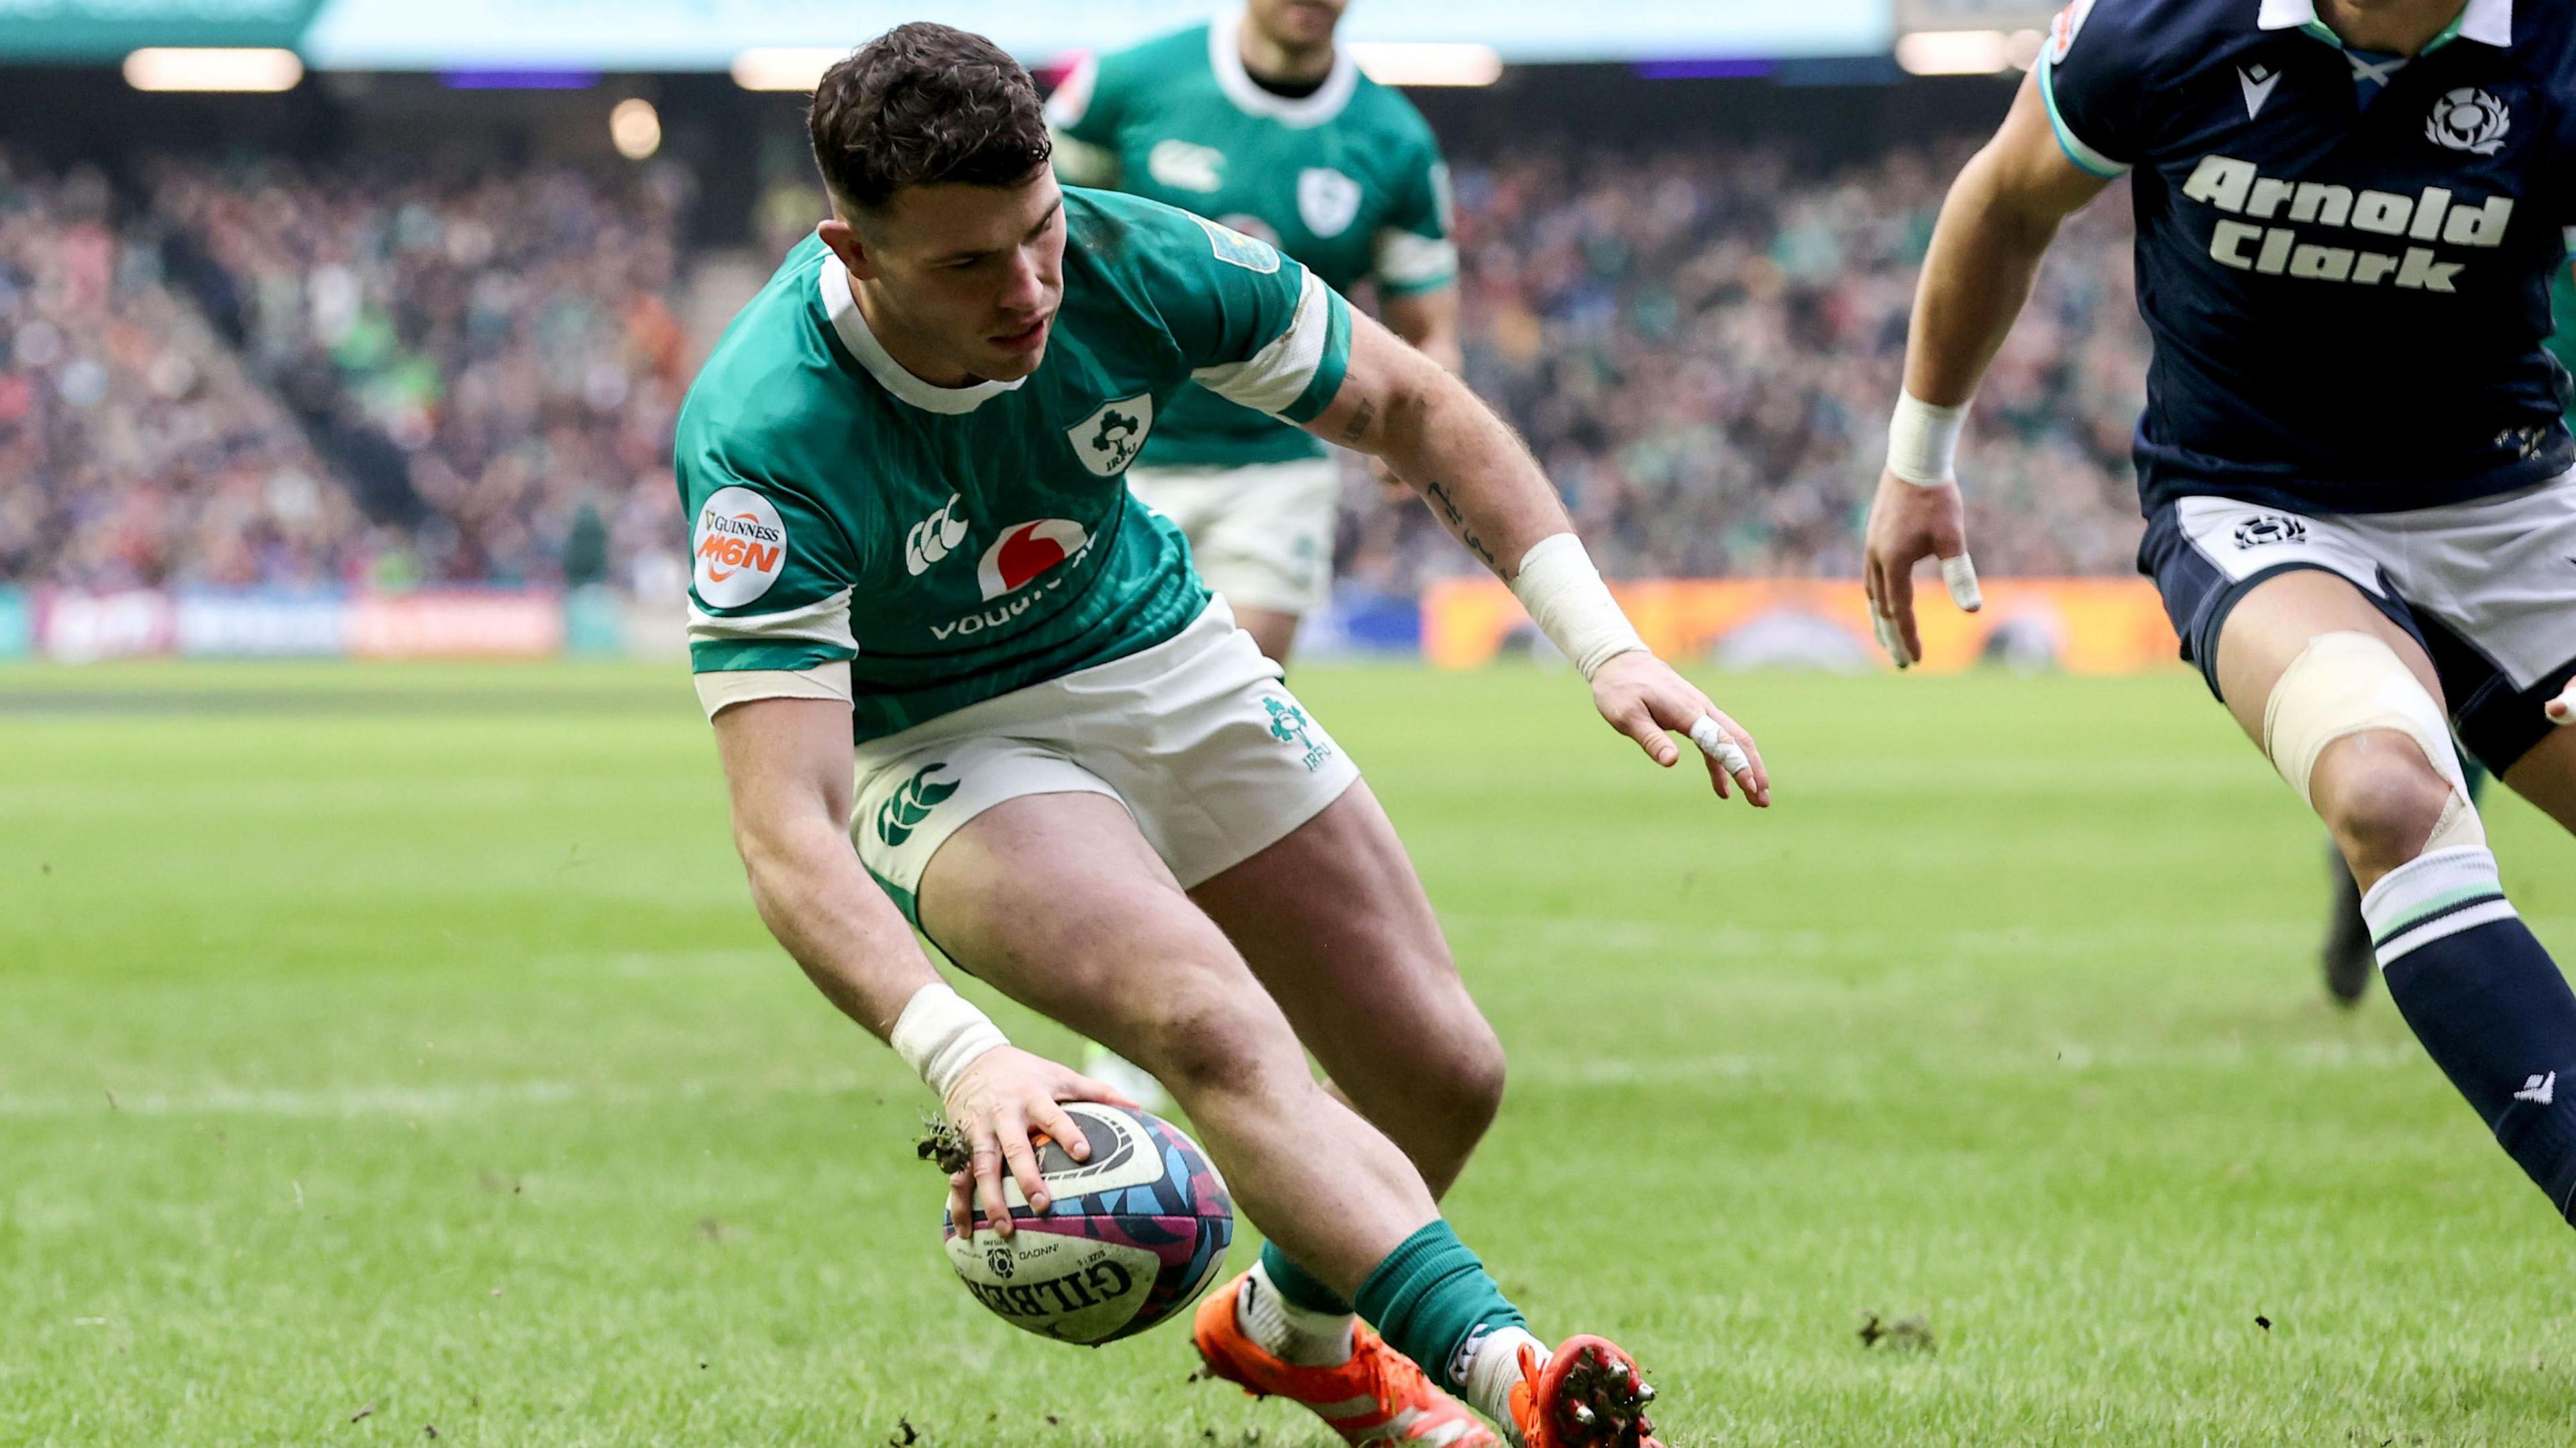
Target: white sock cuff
[1286,1331]
[1487,1365]
[2431,897]
[1299,1319]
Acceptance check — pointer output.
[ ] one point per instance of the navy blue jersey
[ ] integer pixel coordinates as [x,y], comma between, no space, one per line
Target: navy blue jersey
[2344,259]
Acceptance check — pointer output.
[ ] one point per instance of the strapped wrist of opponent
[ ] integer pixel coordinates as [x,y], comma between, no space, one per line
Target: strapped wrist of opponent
[1923,441]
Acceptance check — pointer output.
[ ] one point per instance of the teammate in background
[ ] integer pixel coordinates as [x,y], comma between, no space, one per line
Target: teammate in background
[1258,120]
[2361,511]
[2347,954]
[903,464]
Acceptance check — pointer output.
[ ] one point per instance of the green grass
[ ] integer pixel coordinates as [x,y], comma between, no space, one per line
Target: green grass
[400,1042]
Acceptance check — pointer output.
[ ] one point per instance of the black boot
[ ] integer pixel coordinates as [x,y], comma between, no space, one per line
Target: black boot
[2349,961]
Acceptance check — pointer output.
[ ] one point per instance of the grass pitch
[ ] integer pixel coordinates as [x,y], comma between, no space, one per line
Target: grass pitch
[393,1052]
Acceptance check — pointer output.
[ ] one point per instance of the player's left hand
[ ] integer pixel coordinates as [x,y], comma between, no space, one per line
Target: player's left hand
[1644,699]
[2562,710]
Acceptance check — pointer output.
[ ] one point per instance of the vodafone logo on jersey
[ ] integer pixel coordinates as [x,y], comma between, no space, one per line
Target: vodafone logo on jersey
[740,544]
[1027,552]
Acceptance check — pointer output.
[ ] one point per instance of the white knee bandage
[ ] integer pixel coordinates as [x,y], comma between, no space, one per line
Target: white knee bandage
[2344,684]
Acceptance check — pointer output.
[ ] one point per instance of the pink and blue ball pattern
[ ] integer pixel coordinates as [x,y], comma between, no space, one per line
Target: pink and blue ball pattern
[1183,1216]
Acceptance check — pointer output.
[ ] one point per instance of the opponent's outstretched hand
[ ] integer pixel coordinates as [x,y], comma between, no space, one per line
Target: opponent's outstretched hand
[1004,1096]
[1644,699]
[1907,524]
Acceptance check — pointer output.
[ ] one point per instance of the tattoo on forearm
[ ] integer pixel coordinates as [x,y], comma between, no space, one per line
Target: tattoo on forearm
[1360,423]
[1457,521]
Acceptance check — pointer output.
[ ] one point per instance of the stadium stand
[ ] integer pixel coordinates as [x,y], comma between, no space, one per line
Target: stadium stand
[278,372]
[136,448]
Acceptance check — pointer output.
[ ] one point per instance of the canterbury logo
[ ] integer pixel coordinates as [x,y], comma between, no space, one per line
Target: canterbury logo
[931,539]
[911,803]
[2539,1090]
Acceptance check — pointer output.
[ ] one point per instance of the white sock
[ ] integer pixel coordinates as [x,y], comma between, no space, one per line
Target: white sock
[1487,1366]
[1288,1332]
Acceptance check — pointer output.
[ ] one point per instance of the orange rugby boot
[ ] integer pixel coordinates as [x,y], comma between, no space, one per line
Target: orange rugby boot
[1379,1397]
[1590,1395]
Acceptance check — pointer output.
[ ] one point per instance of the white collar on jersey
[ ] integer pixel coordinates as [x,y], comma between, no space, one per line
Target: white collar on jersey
[1225,57]
[2488,22]
[843,309]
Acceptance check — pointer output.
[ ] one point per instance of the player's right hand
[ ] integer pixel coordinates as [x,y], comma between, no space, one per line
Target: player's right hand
[1003,1097]
[1907,524]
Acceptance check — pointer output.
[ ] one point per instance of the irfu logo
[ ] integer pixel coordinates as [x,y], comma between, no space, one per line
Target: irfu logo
[1109,439]
[910,804]
[1116,439]
[1289,725]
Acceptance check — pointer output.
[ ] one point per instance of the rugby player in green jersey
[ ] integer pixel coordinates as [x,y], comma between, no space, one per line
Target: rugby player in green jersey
[903,466]
[1258,119]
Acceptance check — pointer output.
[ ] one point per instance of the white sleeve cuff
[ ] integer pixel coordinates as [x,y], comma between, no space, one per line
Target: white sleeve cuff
[722,690]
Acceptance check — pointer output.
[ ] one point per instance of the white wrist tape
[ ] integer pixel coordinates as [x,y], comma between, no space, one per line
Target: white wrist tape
[940,1034]
[1923,441]
[1571,605]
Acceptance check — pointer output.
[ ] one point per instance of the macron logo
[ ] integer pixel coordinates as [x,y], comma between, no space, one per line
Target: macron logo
[2259,81]
[2539,1090]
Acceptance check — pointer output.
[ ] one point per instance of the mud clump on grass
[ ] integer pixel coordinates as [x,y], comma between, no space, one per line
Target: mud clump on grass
[1904,1335]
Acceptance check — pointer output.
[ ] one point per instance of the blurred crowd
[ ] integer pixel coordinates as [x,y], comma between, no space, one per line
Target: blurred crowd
[259,372]
[511,334]
[1703,348]
[134,448]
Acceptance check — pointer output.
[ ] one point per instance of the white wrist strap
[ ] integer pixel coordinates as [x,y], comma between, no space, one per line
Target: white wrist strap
[1923,441]
[940,1034]
[1571,605]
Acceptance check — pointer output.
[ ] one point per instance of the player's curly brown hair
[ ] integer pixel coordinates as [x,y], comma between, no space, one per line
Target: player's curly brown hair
[921,105]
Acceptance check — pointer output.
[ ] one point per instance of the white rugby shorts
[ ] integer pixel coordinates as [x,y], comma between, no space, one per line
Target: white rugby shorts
[1260,535]
[1197,736]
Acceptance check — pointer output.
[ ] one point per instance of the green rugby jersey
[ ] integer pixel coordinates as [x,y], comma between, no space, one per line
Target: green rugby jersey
[1348,181]
[860,533]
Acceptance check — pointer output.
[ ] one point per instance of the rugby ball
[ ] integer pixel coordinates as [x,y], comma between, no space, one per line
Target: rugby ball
[1129,1238]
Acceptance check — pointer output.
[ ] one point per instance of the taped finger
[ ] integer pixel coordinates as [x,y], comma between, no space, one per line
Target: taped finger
[1890,640]
[1961,576]
[1713,741]
[2562,710]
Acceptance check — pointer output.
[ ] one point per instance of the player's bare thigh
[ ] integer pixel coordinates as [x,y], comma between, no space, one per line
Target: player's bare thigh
[1334,921]
[2264,635]
[2272,625]
[1058,902]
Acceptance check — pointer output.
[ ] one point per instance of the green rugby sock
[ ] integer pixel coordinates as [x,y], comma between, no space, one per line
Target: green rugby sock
[1430,1297]
[1298,1286]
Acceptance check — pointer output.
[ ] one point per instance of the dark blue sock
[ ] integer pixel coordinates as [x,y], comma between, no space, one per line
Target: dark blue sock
[2488,1003]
